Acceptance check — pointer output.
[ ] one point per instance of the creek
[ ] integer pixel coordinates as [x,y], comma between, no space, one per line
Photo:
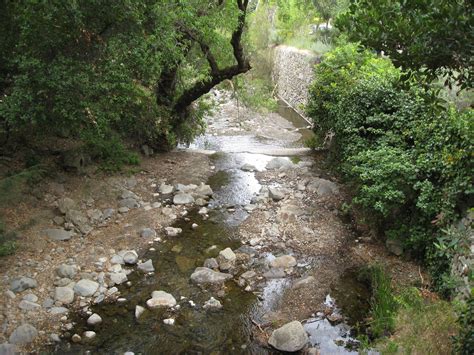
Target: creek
[231,329]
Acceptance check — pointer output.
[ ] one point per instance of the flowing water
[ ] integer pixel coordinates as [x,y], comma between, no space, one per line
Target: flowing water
[197,331]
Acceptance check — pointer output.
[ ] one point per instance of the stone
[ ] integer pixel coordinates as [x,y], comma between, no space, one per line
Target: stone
[226,259]
[303,282]
[204,190]
[79,220]
[284,262]
[48,303]
[274,274]
[58,310]
[204,275]
[94,320]
[64,295]
[58,234]
[23,335]
[66,204]
[166,189]
[227,254]
[139,310]
[10,294]
[130,257]
[183,199]
[28,306]
[117,259]
[86,288]
[89,335]
[22,283]
[211,263]
[7,349]
[291,337]
[248,167]
[108,213]
[76,338]
[161,299]
[148,233]
[394,246]
[323,187]
[279,164]
[95,215]
[55,337]
[203,211]
[276,194]
[58,220]
[123,210]
[212,304]
[147,266]
[146,150]
[129,203]
[201,202]
[66,271]
[30,297]
[118,278]
[186,188]
[172,232]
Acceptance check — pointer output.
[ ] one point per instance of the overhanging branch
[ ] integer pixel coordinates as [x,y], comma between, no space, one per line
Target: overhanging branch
[218,75]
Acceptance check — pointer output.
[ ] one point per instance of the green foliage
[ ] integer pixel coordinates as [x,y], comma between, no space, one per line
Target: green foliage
[255,93]
[383,305]
[430,36]
[109,150]
[101,64]
[464,342]
[19,182]
[449,243]
[7,241]
[409,158]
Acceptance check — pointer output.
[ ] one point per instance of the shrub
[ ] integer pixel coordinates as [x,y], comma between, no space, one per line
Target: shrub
[7,241]
[409,159]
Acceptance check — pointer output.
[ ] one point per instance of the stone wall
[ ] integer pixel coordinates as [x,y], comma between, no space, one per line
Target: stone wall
[292,74]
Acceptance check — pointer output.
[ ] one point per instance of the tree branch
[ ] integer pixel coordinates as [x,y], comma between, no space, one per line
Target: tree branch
[218,75]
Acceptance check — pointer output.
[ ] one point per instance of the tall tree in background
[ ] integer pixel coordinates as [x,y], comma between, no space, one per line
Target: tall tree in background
[435,37]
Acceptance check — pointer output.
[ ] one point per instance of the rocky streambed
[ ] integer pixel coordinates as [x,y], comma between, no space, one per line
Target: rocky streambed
[239,248]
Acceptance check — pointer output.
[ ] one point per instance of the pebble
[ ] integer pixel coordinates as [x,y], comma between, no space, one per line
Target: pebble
[94,320]
[76,338]
[139,311]
[169,321]
[22,283]
[147,266]
[89,334]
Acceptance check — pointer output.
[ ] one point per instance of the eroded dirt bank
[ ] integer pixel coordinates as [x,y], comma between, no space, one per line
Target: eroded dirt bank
[280,212]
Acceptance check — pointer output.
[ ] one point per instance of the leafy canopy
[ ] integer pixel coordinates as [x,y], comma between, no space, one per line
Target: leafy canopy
[432,36]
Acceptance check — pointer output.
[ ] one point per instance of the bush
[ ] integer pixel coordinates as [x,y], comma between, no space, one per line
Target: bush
[409,159]
[7,241]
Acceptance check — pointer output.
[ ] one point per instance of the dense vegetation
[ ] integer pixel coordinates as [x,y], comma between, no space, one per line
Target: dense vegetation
[100,69]
[407,152]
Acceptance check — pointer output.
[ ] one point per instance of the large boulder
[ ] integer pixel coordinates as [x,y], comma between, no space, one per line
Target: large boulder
[291,337]
[68,271]
[204,275]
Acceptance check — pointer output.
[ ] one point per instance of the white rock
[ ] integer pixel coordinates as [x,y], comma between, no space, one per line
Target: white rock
[139,311]
[94,319]
[169,321]
[161,299]
[172,232]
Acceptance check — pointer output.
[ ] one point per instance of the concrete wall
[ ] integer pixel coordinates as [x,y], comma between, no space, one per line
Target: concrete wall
[292,74]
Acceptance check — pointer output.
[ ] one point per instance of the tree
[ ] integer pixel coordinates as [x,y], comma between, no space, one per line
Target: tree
[132,67]
[433,37]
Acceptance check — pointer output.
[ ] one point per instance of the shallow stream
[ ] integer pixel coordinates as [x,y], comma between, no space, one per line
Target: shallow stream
[197,331]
